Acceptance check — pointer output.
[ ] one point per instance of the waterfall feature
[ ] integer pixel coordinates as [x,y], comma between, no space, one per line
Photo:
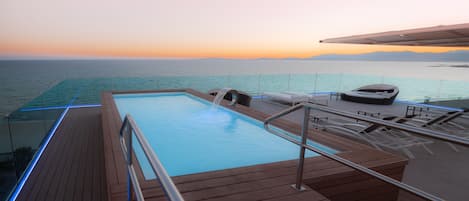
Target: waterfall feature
[221,94]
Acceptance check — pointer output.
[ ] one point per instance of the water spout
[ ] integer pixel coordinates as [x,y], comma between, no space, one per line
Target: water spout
[221,94]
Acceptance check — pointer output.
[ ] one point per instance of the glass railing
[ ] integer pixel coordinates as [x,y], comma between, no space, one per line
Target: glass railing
[22,132]
[87,91]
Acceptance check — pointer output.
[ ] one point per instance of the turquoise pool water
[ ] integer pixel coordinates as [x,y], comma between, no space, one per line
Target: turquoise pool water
[189,135]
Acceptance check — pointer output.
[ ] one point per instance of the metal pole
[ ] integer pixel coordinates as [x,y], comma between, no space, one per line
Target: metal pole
[301,161]
[9,132]
[12,145]
[129,161]
[259,84]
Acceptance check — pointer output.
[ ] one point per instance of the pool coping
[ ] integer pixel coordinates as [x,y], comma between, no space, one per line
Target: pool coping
[116,169]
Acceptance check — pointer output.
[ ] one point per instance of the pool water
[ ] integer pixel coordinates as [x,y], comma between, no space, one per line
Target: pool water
[189,135]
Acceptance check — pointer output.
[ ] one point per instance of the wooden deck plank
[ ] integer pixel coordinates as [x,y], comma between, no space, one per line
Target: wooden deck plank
[81,192]
[114,126]
[69,167]
[239,184]
[237,175]
[277,169]
[41,192]
[74,170]
[108,149]
[56,176]
[37,175]
[303,196]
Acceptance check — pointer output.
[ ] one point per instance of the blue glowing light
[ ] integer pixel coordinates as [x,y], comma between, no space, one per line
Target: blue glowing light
[19,186]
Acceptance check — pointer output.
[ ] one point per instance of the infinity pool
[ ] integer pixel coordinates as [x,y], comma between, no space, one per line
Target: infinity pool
[190,136]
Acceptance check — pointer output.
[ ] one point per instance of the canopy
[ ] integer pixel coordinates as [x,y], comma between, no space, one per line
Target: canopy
[440,36]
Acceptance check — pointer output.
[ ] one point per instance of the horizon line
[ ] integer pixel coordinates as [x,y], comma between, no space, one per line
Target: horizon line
[77,57]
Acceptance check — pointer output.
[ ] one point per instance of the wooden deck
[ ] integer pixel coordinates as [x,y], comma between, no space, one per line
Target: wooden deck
[84,161]
[72,165]
[328,179]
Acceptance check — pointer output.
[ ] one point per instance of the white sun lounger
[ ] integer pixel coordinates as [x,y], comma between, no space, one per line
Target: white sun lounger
[294,98]
[445,122]
[377,136]
[286,97]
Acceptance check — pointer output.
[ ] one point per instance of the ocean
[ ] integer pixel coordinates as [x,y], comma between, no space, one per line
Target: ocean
[22,81]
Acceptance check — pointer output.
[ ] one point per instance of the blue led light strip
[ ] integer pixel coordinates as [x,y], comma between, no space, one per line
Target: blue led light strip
[19,186]
[84,106]
[31,109]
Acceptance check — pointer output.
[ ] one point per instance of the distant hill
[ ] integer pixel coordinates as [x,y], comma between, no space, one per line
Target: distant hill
[458,56]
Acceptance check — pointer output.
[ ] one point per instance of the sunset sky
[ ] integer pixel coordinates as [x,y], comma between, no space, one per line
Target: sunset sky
[210,28]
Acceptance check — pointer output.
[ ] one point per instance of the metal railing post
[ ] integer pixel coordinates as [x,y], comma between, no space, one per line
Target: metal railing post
[129,129]
[301,160]
[129,162]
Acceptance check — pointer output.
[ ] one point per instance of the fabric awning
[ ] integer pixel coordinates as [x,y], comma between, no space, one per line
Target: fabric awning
[439,36]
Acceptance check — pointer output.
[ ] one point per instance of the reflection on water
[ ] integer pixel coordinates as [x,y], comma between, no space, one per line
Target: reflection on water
[215,116]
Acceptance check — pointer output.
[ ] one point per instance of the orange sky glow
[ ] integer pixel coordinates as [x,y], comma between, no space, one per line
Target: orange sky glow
[211,28]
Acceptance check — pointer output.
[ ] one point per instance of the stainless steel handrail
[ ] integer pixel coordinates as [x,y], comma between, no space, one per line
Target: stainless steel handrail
[303,145]
[128,128]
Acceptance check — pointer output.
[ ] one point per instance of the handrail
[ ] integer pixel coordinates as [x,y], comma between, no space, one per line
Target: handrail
[417,130]
[128,128]
[304,145]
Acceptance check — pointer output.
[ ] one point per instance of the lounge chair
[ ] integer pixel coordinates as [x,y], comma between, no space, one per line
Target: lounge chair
[430,117]
[448,117]
[444,121]
[293,98]
[286,97]
[375,135]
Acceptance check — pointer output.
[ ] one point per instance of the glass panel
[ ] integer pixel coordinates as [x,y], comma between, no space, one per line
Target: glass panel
[414,89]
[21,134]
[246,83]
[326,83]
[172,83]
[206,83]
[351,81]
[7,166]
[453,89]
[304,83]
[274,83]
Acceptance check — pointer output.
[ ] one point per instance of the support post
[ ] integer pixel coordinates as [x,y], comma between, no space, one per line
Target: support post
[301,161]
[12,146]
[129,161]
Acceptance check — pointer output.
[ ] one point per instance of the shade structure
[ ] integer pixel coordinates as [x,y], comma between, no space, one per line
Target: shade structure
[439,36]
